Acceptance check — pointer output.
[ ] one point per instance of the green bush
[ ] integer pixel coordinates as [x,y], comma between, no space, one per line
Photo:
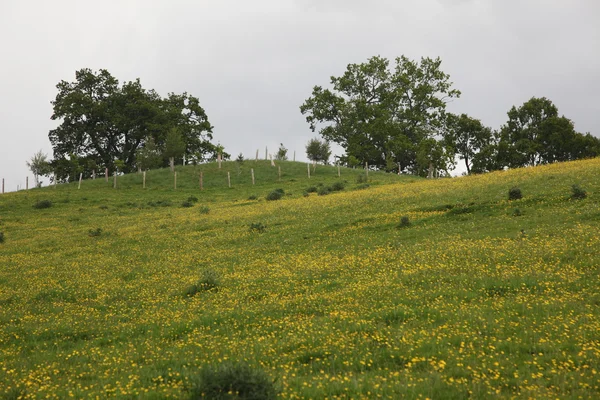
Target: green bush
[187,204]
[578,193]
[192,199]
[311,189]
[1,237]
[204,210]
[515,193]
[233,381]
[362,178]
[208,282]
[324,191]
[42,204]
[252,197]
[257,227]
[404,222]
[160,203]
[337,186]
[517,212]
[275,195]
[95,232]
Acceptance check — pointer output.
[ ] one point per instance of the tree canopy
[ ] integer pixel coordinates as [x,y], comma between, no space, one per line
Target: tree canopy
[381,116]
[103,121]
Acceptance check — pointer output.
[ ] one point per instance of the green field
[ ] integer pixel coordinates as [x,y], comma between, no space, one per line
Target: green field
[131,292]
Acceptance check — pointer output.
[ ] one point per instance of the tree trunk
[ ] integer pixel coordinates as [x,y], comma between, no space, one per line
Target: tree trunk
[430,174]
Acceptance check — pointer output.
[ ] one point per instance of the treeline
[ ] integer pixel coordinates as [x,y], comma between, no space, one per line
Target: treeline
[396,119]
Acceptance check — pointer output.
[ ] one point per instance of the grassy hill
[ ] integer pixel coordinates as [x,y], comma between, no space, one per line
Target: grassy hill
[132,292]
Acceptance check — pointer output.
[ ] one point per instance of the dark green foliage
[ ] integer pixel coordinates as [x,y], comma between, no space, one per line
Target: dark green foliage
[42,204]
[204,210]
[515,193]
[404,222]
[103,207]
[318,151]
[517,212]
[187,204]
[257,227]
[578,193]
[324,191]
[192,199]
[95,232]
[252,197]
[233,381]
[275,194]
[362,186]
[208,282]
[362,178]
[160,203]
[1,237]
[311,189]
[337,186]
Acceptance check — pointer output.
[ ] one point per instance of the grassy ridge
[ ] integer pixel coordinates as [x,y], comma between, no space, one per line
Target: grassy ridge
[333,299]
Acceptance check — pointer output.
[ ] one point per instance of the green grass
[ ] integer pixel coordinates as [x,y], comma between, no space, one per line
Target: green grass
[126,293]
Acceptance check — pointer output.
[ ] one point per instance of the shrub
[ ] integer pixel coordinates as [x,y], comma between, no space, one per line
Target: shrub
[517,212]
[209,281]
[311,189]
[515,193]
[95,232]
[252,197]
[362,178]
[192,199]
[1,237]
[42,204]
[362,186]
[204,210]
[257,227]
[578,193]
[404,222]
[324,191]
[233,381]
[159,203]
[275,194]
[337,186]
[187,204]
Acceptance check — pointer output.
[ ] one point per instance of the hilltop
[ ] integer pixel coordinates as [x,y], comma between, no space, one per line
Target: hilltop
[394,287]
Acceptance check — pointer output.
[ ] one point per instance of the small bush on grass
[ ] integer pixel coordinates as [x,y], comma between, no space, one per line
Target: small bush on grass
[324,191]
[1,237]
[42,204]
[233,381]
[362,186]
[578,193]
[404,222]
[95,232]
[362,178]
[187,204]
[311,189]
[257,227]
[275,195]
[252,197]
[204,210]
[337,186]
[159,203]
[208,282]
[192,199]
[517,213]
[515,193]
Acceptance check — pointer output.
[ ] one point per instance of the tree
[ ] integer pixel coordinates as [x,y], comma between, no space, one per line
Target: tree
[148,156]
[174,147]
[318,151]
[467,137]
[39,166]
[535,134]
[281,153]
[104,122]
[378,115]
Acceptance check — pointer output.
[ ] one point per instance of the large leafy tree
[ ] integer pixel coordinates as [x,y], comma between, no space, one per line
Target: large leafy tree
[536,134]
[104,122]
[469,138]
[39,166]
[379,115]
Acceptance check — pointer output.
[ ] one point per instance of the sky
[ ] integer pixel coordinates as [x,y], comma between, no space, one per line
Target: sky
[253,63]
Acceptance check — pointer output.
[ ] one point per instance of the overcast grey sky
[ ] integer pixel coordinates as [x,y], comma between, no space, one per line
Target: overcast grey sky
[252,63]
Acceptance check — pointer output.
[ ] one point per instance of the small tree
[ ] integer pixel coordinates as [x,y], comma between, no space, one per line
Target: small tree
[39,166]
[281,153]
[318,151]
[149,156]
[174,147]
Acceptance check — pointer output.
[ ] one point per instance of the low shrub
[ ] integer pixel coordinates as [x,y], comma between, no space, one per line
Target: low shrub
[160,203]
[275,195]
[324,191]
[514,194]
[404,222]
[208,282]
[252,197]
[42,204]
[95,232]
[257,227]
[517,212]
[578,193]
[192,199]
[187,204]
[204,210]
[1,237]
[311,189]
[337,186]
[233,381]
[362,178]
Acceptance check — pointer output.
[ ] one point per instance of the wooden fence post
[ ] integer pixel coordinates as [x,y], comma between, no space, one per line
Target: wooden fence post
[294,155]
[339,173]
[115,180]
[2,185]
[367,168]
[256,154]
[80,176]
[106,174]
[144,180]
[228,179]
[279,172]
[308,169]
[54,176]
[26,183]
[252,172]
[175,181]
[266,153]
[201,180]
[219,159]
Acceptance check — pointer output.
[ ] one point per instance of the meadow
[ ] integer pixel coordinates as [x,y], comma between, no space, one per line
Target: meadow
[389,287]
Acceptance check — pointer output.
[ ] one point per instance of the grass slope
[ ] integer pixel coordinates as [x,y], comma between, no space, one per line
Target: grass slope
[127,293]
